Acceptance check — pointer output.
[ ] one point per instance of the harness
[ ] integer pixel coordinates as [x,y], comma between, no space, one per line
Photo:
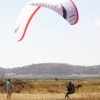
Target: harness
[71,89]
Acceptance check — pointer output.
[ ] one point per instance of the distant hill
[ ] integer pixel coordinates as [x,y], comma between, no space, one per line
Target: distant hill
[51,70]
[2,72]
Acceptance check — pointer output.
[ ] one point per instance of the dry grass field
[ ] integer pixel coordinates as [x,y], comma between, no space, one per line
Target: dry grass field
[52,90]
[76,96]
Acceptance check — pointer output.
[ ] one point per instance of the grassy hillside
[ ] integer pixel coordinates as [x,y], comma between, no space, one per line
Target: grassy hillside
[50,70]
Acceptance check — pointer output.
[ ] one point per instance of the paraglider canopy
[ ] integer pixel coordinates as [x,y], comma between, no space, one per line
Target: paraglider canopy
[65,8]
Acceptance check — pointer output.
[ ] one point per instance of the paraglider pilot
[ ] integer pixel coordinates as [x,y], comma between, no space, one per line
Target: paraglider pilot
[70,89]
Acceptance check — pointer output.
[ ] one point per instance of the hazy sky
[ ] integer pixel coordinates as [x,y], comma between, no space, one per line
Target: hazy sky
[49,38]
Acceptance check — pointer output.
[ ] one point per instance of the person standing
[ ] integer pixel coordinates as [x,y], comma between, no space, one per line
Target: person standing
[9,89]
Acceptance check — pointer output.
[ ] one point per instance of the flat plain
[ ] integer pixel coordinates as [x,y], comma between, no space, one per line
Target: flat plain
[53,90]
[75,96]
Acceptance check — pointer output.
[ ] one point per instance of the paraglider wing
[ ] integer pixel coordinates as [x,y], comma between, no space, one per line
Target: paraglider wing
[65,8]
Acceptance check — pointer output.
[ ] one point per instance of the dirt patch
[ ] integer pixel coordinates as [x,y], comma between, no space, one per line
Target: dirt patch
[75,96]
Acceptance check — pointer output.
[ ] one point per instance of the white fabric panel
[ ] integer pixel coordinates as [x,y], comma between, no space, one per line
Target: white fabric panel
[25,16]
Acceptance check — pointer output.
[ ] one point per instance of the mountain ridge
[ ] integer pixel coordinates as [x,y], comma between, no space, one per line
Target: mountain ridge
[50,70]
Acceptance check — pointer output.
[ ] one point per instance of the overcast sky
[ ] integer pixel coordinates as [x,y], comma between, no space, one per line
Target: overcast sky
[49,38]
